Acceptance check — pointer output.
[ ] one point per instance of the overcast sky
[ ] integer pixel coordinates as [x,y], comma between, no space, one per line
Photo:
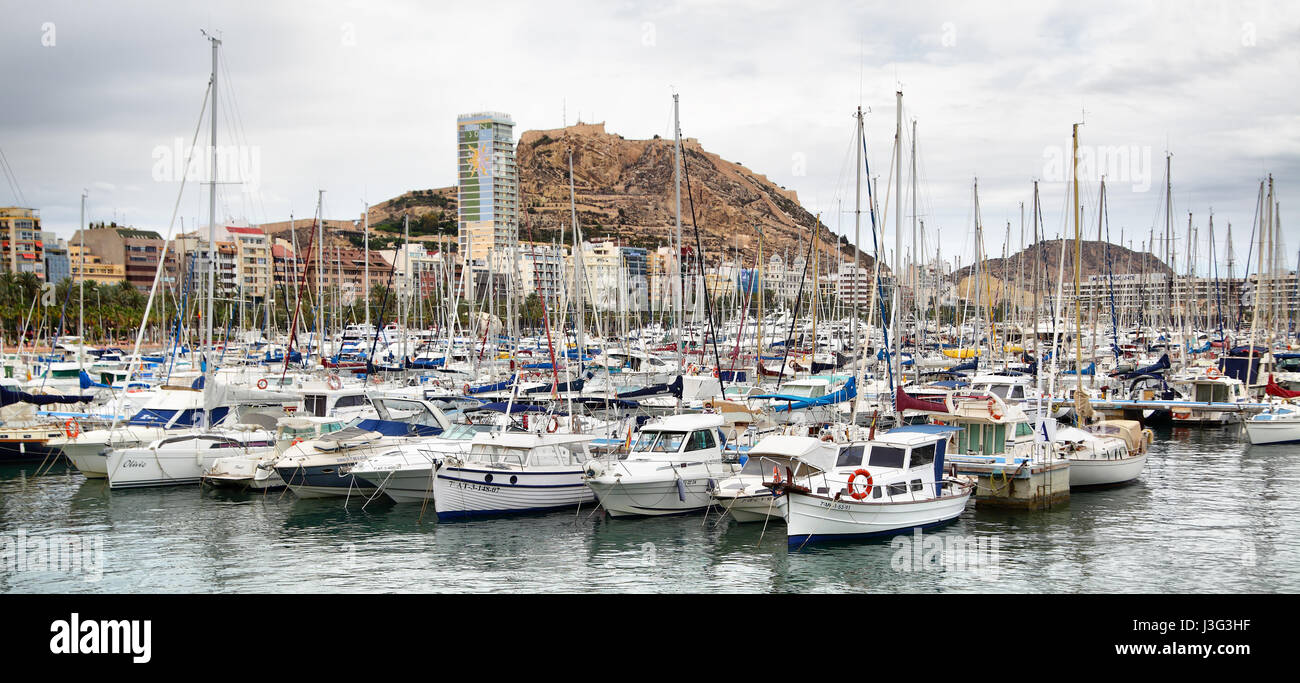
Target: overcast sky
[360,99]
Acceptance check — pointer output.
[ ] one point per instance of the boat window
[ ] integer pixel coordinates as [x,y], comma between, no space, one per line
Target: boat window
[917,485]
[700,440]
[1017,392]
[350,401]
[897,489]
[314,404]
[886,456]
[850,456]
[1023,429]
[876,492]
[999,389]
[922,455]
[669,442]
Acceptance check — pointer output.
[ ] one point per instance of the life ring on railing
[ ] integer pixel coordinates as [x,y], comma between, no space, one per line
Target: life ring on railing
[333,382]
[261,383]
[296,442]
[776,474]
[994,411]
[71,429]
[715,373]
[856,494]
[465,389]
[827,436]
[553,426]
[1213,372]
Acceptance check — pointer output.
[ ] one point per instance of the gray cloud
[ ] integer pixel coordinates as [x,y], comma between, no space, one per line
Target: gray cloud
[360,98]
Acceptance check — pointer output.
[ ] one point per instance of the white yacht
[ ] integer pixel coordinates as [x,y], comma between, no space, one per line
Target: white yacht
[672,468]
[181,459]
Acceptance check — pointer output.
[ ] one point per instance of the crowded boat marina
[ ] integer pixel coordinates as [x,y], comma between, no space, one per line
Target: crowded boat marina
[598,363]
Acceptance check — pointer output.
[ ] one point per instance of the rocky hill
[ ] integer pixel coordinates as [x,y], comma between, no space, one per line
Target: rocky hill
[1046,257]
[624,191]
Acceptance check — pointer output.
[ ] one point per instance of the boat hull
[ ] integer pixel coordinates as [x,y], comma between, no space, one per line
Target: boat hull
[461,492]
[1103,472]
[1261,433]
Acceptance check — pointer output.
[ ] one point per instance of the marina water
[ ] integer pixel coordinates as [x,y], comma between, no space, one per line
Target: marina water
[1209,514]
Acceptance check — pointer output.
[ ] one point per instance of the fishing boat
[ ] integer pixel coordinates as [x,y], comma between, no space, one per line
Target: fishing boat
[672,468]
[881,487]
[513,472]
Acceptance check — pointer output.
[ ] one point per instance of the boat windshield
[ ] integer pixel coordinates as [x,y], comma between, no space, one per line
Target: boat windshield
[465,432]
[659,442]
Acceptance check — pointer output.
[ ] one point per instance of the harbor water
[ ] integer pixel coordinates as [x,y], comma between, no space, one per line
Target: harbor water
[1209,514]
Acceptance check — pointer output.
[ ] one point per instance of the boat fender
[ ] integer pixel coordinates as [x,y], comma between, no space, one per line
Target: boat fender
[593,469]
[776,475]
[681,489]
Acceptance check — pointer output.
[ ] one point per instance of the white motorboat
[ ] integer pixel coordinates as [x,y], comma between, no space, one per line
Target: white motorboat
[672,468]
[891,484]
[773,458]
[255,469]
[404,473]
[181,459]
[88,450]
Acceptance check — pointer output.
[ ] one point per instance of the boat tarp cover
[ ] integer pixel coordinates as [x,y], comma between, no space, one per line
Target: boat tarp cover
[1162,364]
[1275,389]
[12,396]
[845,393]
[904,401]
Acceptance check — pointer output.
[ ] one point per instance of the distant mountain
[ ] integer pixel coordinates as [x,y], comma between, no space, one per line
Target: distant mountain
[624,191]
[1046,258]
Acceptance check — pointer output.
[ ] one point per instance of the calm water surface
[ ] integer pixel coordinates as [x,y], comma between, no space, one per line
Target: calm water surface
[1210,514]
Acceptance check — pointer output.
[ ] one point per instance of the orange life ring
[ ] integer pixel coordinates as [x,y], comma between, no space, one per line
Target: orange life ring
[555,424]
[1213,372]
[993,411]
[863,494]
[71,429]
[776,474]
[465,389]
[715,373]
[296,441]
[261,383]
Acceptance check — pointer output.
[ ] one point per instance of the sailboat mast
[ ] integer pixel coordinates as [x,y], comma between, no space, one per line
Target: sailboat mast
[212,212]
[677,237]
[1078,266]
[896,360]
